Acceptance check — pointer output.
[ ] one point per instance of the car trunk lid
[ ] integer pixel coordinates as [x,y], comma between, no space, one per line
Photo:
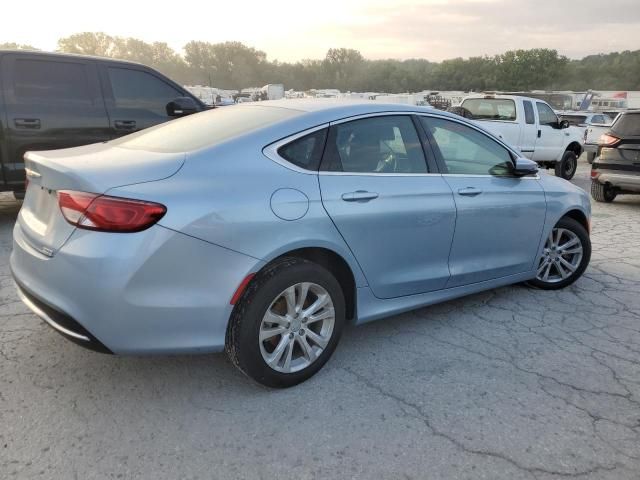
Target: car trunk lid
[92,168]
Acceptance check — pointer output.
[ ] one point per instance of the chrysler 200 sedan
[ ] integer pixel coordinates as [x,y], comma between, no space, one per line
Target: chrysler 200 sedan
[262,229]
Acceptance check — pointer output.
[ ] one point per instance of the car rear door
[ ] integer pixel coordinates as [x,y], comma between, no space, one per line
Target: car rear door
[51,102]
[396,214]
[499,217]
[529,130]
[550,139]
[136,97]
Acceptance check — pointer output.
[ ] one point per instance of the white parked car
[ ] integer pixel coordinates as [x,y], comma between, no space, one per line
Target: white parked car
[531,127]
[595,126]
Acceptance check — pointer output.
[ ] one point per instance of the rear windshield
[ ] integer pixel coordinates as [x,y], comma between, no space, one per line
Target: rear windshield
[491,108]
[627,124]
[204,129]
[574,119]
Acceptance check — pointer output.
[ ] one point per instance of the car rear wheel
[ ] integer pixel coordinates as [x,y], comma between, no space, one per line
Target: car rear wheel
[602,192]
[287,323]
[566,168]
[565,256]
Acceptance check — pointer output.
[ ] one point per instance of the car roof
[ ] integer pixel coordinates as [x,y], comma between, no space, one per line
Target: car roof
[325,110]
[68,55]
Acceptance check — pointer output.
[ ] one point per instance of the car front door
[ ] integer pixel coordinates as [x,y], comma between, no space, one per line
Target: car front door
[51,102]
[499,217]
[550,138]
[397,218]
[135,98]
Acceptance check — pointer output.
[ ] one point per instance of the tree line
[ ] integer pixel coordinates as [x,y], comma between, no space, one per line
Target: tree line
[233,66]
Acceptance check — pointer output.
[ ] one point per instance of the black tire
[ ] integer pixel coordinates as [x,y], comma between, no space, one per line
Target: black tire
[242,342]
[602,192]
[577,228]
[591,156]
[566,168]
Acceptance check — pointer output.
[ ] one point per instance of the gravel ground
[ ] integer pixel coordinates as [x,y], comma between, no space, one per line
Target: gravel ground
[510,384]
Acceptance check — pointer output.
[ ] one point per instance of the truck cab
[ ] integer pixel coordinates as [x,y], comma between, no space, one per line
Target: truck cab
[50,101]
[531,127]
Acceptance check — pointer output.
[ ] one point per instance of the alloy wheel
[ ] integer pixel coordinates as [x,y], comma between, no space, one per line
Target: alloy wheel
[561,256]
[297,327]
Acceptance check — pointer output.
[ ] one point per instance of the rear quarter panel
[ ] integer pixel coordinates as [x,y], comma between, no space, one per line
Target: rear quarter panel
[223,196]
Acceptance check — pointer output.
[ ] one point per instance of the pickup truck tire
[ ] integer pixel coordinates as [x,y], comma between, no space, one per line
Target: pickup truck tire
[602,192]
[591,156]
[566,168]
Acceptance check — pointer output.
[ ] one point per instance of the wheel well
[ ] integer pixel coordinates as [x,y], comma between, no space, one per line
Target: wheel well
[579,217]
[337,266]
[575,147]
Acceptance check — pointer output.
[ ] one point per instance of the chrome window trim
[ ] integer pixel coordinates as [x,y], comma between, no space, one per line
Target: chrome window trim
[469,175]
[271,150]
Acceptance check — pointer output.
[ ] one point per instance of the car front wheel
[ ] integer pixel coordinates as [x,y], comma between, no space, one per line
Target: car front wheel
[565,256]
[287,323]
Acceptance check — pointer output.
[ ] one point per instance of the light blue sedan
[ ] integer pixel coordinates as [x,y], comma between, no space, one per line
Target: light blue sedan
[262,229]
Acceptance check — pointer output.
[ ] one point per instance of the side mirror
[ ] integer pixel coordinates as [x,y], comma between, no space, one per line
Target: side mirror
[564,124]
[524,167]
[181,106]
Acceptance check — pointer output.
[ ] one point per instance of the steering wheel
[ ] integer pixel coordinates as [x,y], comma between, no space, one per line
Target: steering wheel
[389,163]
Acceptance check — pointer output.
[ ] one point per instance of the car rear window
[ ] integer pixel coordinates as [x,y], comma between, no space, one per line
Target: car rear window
[491,108]
[575,119]
[627,124]
[204,129]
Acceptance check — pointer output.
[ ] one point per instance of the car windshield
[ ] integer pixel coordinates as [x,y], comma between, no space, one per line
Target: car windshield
[490,108]
[627,124]
[204,129]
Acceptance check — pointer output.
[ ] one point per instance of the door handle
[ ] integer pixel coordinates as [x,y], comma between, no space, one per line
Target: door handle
[359,196]
[539,133]
[124,124]
[469,191]
[27,123]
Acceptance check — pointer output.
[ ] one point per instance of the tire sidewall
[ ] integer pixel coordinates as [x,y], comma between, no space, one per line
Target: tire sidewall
[249,313]
[568,157]
[583,235]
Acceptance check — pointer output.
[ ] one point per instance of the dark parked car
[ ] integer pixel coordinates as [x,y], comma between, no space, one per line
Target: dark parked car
[50,101]
[616,168]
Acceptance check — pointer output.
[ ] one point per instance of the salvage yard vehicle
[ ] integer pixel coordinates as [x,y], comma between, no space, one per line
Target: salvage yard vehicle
[596,124]
[616,168]
[262,229]
[531,127]
[50,101]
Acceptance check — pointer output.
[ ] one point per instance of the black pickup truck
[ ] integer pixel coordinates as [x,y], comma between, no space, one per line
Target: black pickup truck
[50,100]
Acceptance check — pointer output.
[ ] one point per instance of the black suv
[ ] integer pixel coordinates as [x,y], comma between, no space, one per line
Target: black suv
[50,101]
[616,168]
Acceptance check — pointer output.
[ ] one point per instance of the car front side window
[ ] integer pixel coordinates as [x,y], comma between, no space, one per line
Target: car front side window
[546,115]
[385,144]
[466,151]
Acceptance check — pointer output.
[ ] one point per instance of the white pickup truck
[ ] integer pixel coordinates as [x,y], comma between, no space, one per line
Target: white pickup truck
[531,127]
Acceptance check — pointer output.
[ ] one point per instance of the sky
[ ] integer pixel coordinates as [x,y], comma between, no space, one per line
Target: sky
[291,30]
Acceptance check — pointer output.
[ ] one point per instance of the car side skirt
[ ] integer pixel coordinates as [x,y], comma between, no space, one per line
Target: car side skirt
[371,308]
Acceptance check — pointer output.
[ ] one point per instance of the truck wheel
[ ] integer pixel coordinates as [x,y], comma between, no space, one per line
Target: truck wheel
[602,193]
[591,156]
[566,168]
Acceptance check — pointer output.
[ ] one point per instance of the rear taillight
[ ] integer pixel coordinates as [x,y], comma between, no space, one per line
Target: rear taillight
[607,140]
[103,213]
[595,174]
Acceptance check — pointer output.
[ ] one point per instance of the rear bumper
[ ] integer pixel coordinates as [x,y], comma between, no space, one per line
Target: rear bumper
[629,182]
[61,322]
[156,291]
